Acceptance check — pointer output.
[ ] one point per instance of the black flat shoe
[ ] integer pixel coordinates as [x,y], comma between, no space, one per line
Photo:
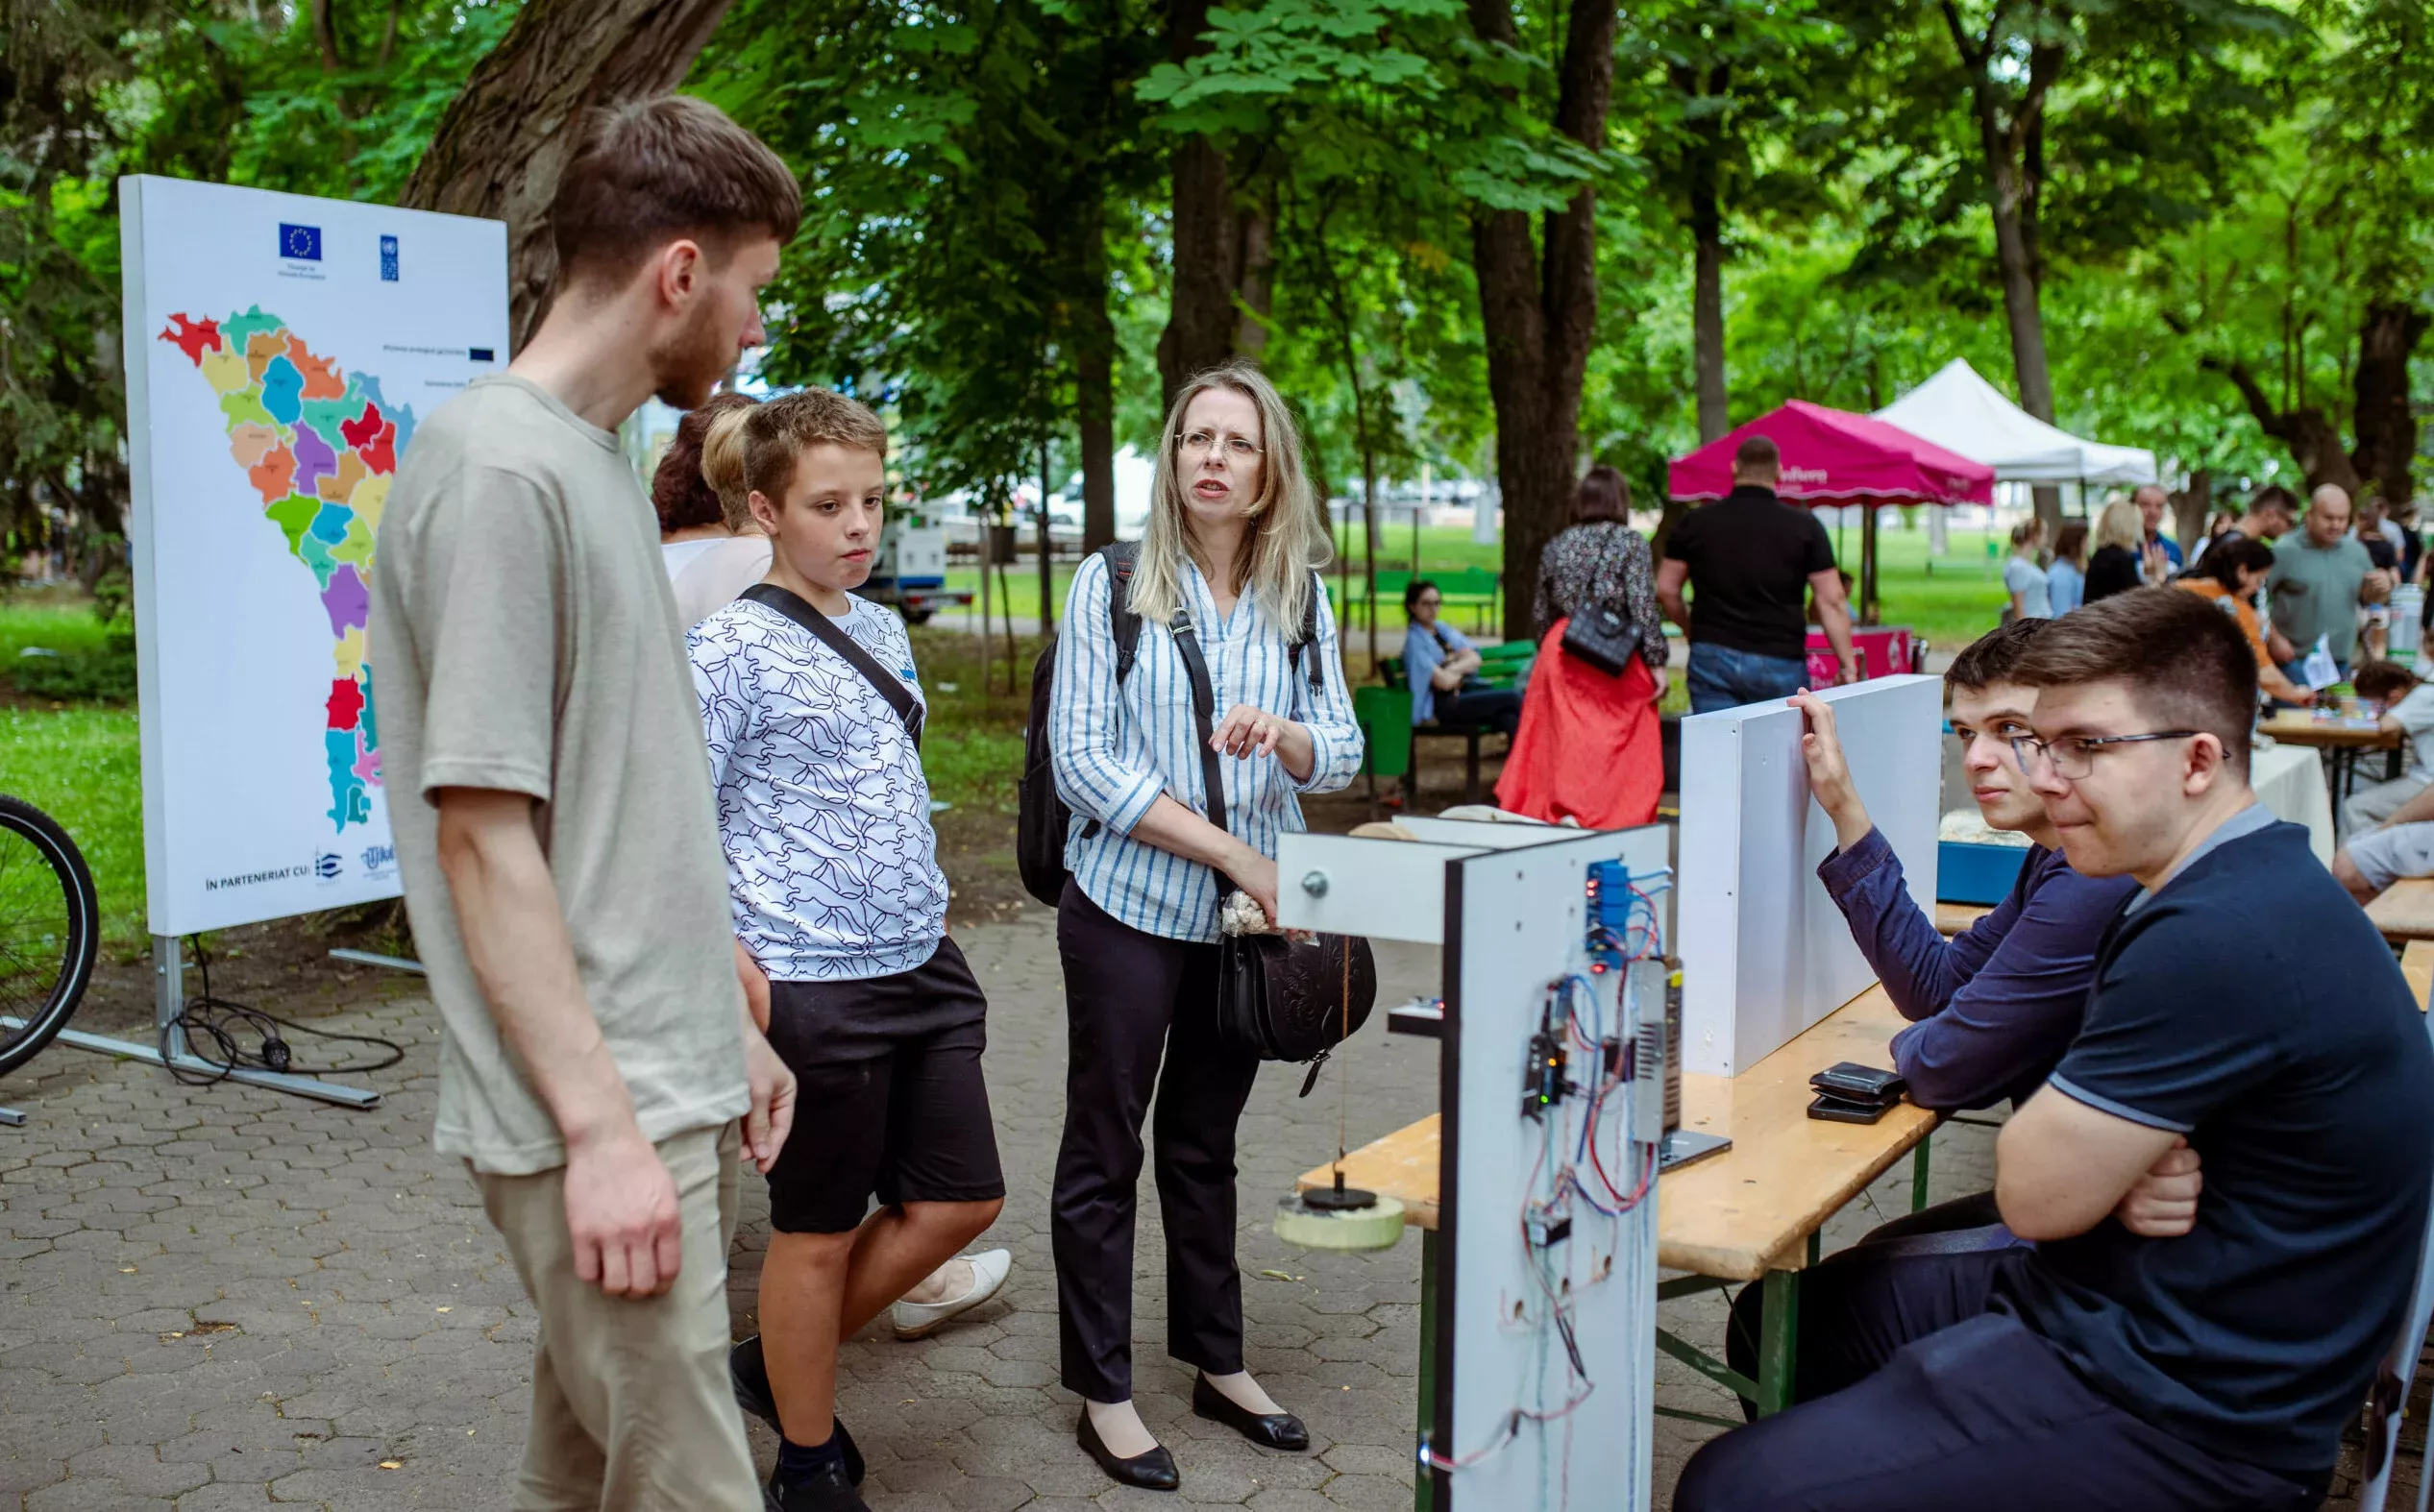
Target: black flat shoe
[1269,1431]
[829,1491]
[1153,1471]
[748,1375]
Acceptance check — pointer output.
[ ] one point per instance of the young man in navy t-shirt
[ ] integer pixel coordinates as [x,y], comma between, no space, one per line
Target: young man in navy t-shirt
[2225,1180]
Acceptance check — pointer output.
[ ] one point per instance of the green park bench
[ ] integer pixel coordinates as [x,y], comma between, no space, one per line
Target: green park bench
[1391,740]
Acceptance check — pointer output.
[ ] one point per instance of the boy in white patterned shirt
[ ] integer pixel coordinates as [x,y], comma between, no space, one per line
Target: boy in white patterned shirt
[812,713]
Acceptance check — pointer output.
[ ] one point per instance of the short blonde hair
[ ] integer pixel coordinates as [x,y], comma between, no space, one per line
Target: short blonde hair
[2121,525]
[1288,541]
[752,450]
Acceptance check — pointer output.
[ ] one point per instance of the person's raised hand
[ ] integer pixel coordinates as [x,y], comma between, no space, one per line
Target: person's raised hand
[772,1116]
[621,1212]
[1828,773]
[2163,1202]
[2158,566]
[1248,730]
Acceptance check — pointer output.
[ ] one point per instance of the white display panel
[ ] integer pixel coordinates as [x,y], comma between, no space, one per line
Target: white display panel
[1522,917]
[279,352]
[1764,951]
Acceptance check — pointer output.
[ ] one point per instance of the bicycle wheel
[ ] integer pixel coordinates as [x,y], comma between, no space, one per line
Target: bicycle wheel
[50,929]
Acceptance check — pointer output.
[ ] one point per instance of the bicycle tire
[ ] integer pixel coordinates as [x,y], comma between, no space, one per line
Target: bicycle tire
[79,944]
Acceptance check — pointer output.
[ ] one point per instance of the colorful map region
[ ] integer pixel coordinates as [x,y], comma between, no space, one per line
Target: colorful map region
[320,449]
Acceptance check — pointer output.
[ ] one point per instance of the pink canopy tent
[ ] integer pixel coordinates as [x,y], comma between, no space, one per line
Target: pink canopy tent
[1831,456]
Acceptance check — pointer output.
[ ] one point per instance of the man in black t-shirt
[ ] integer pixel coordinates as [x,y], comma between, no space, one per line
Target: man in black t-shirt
[2222,1188]
[1749,557]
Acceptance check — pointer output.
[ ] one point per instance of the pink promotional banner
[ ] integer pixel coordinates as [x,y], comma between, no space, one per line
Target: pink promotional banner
[1832,456]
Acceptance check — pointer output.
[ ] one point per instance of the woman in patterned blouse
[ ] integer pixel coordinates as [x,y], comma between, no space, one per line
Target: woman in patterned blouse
[1588,747]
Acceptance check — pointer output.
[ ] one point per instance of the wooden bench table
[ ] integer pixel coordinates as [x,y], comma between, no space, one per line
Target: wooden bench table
[1954,918]
[1751,1214]
[2342,746]
[2406,910]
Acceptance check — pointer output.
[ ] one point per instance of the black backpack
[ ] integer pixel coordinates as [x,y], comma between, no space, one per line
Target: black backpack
[1041,819]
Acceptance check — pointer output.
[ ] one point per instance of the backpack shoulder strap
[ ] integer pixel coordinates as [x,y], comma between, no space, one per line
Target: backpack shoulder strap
[832,635]
[1309,666]
[1122,620]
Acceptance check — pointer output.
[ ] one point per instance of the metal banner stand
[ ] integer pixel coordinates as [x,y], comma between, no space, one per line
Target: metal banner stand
[168,971]
[12,1119]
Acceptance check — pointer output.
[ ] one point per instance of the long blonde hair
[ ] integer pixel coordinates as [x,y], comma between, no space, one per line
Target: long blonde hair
[2121,525]
[1287,542]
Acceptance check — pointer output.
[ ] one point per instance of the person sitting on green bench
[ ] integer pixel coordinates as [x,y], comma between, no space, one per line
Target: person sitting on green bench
[1441,666]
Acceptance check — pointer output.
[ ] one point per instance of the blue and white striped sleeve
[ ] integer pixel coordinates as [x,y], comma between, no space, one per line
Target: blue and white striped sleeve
[1085,714]
[1335,735]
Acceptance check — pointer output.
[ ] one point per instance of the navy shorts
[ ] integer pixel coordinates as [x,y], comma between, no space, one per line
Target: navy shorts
[889,1100]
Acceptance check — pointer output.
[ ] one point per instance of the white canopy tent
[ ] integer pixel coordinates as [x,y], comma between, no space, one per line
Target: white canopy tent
[1963,413]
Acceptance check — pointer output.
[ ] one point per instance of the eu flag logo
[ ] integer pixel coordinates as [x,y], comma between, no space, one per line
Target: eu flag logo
[388,259]
[300,242]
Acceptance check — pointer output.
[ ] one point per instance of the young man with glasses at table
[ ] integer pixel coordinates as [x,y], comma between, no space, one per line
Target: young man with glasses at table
[2203,1351]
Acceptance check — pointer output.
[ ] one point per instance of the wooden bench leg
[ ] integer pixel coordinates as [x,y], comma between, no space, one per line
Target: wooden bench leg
[1778,1342]
[1470,768]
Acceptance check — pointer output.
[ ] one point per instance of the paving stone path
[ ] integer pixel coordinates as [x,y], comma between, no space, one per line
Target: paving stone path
[220,1298]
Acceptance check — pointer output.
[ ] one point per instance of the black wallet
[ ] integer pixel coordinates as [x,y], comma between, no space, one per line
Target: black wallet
[1867,1085]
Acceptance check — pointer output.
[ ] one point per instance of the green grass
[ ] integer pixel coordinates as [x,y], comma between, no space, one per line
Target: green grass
[1950,601]
[78,765]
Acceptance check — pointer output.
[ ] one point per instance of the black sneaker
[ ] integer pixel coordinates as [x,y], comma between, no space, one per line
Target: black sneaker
[748,1375]
[827,1491]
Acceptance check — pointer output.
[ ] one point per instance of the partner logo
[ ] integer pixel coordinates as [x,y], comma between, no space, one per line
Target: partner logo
[300,243]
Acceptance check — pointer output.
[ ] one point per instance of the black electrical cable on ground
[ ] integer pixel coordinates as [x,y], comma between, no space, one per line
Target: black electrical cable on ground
[218,1023]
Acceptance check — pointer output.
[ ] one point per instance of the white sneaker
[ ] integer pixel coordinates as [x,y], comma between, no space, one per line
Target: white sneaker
[916,1320]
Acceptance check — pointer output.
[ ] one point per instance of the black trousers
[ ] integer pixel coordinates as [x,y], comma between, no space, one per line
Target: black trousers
[1928,1400]
[1499,709]
[1133,1000]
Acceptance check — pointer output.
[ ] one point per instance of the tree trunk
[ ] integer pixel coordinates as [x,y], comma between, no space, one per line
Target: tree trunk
[506,136]
[1095,380]
[2313,439]
[1048,553]
[2381,419]
[1538,311]
[1255,259]
[1706,264]
[2190,507]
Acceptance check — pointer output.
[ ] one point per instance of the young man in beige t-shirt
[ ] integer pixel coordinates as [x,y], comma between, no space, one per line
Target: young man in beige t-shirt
[552,810]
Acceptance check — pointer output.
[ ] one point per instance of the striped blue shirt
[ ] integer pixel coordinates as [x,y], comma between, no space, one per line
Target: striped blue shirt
[1118,748]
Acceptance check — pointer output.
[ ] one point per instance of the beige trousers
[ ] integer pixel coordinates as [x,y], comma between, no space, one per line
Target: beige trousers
[631,1410]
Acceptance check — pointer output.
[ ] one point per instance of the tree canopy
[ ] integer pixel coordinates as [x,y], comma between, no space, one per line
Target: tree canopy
[1499,238]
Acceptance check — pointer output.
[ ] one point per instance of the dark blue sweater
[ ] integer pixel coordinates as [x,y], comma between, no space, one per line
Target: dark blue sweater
[1993,1007]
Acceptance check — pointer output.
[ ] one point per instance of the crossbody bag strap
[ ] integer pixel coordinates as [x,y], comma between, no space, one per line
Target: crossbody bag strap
[1203,712]
[832,635]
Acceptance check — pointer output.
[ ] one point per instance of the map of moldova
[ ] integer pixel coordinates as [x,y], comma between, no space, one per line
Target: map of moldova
[320,449]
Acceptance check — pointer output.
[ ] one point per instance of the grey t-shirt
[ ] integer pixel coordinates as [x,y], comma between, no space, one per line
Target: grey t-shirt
[523,638]
[2314,591]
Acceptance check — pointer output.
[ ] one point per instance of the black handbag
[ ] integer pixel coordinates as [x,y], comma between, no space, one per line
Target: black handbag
[1282,997]
[1602,637]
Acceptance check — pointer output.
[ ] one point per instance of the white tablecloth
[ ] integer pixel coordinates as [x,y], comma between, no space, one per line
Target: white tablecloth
[2290,781]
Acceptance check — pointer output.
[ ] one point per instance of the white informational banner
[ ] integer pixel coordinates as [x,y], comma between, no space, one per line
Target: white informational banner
[279,352]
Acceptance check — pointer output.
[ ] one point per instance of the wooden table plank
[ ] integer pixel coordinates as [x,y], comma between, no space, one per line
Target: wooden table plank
[1751,1210]
[2406,910]
[2298,727]
[2417,964]
[1952,918]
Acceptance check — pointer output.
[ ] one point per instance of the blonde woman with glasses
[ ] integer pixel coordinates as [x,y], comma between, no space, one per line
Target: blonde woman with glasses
[1225,587]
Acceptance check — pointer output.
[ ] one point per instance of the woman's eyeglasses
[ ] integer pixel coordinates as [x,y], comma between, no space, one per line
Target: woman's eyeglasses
[1200,443]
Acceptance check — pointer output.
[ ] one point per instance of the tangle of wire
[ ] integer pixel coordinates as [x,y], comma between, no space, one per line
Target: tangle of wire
[218,1021]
